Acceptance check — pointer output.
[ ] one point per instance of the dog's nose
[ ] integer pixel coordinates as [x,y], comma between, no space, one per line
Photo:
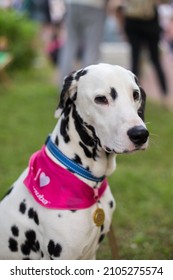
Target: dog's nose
[138,135]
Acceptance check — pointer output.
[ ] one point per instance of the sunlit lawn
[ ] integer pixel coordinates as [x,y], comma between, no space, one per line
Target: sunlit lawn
[142,184]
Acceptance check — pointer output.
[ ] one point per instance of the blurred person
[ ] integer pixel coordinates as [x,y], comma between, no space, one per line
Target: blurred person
[142,28]
[17,4]
[85,25]
[49,13]
[166,15]
[5,4]
[38,10]
[57,10]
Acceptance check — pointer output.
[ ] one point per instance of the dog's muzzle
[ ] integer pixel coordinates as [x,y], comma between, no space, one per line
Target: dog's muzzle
[138,135]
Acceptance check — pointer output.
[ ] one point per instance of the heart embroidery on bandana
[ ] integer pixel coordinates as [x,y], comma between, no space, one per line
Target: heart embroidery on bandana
[54,187]
[44,180]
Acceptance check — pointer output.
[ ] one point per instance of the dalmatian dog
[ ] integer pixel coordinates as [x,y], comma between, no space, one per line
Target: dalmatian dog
[100,115]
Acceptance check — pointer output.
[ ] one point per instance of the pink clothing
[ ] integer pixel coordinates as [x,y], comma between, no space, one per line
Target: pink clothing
[52,186]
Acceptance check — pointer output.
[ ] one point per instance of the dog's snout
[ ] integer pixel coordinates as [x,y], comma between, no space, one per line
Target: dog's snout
[138,135]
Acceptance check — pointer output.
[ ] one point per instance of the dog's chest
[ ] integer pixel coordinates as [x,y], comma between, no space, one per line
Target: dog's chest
[75,231]
[53,234]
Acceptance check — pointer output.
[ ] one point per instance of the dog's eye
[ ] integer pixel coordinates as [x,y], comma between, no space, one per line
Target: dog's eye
[101,99]
[136,95]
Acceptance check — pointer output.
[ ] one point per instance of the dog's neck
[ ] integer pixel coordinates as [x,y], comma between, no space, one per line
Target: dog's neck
[78,141]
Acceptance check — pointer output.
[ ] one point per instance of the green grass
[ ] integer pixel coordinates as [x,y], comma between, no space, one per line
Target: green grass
[27,109]
[142,183]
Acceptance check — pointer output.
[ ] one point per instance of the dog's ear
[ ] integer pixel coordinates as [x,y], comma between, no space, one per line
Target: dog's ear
[69,90]
[141,109]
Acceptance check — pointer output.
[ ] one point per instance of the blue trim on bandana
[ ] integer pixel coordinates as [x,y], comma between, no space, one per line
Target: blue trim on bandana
[70,164]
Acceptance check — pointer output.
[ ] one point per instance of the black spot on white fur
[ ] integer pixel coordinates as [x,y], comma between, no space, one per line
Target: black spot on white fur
[57,140]
[54,249]
[15,231]
[113,93]
[64,126]
[88,140]
[13,245]
[81,129]
[32,214]
[80,74]
[87,168]
[111,204]
[77,159]
[22,207]
[64,129]
[64,97]
[67,84]
[30,244]
[86,150]
[141,110]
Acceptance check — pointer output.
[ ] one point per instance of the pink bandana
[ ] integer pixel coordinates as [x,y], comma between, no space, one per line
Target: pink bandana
[55,187]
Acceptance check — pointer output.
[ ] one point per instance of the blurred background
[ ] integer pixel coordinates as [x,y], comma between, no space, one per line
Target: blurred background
[38,40]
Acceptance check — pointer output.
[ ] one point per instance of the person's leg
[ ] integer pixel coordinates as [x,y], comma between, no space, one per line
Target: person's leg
[68,53]
[94,20]
[135,44]
[153,45]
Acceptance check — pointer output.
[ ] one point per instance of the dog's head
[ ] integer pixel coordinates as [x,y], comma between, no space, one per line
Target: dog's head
[108,99]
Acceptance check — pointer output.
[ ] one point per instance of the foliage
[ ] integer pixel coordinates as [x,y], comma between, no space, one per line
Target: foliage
[142,184]
[20,33]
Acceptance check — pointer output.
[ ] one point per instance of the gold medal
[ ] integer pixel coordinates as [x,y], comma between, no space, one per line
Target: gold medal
[99,217]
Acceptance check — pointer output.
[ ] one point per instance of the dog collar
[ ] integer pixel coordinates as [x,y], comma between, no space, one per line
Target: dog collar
[70,164]
[55,187]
